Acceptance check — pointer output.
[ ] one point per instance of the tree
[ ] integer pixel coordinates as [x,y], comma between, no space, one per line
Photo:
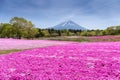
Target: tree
[84,33]
[23,28]
[118,30]
[110,31]
[19,24]
[29,31]
[45,33]
[6,30]
[59,33]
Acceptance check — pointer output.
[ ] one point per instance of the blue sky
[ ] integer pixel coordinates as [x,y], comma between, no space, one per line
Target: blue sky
[92,14]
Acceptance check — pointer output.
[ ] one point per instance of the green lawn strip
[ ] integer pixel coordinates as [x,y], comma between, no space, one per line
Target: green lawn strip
[8,51]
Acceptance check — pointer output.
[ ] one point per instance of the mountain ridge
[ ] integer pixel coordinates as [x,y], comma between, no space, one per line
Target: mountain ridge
[68,25]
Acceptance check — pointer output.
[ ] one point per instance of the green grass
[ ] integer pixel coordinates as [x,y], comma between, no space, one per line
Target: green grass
[8,51]
[82,39]
[79,39]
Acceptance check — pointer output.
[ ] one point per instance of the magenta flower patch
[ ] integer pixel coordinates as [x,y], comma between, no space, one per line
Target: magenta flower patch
[75,61]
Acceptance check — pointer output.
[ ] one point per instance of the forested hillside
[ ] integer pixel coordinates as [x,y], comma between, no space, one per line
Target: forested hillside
[22,28]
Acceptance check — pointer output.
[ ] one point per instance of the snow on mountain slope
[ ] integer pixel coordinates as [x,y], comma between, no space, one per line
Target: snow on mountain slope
[68,25]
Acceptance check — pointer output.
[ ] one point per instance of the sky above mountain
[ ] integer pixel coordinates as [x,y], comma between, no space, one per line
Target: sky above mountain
[92,14]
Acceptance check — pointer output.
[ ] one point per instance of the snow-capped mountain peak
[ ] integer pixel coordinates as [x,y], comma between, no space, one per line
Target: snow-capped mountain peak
[68,25]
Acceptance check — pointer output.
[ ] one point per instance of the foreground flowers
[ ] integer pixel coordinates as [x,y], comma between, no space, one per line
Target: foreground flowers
[75,61]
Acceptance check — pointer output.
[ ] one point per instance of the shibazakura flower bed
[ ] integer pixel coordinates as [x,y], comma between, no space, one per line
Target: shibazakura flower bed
[20,44]
[75,61]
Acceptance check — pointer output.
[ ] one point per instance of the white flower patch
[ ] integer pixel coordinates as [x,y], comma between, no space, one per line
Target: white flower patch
[11,69]
[90,65]
[70,57]
[92,58]
[22,74]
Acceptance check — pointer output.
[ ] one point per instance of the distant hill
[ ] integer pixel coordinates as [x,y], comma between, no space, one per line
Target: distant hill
[68,25]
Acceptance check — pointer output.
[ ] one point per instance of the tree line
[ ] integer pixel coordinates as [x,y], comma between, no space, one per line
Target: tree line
[22,28]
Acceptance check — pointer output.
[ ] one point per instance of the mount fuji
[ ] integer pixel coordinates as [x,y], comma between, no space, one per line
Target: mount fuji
[68,25]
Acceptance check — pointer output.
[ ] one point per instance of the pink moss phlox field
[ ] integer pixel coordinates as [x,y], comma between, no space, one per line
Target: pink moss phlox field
[75,61]
[8,44]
